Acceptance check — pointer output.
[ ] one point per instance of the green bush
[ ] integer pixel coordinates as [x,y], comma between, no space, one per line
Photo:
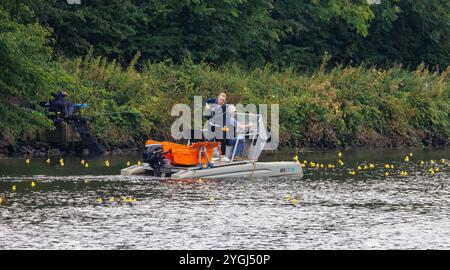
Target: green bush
[340,107]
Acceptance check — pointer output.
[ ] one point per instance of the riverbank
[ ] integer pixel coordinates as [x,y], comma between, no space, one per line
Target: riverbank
[330,108]
[340,107]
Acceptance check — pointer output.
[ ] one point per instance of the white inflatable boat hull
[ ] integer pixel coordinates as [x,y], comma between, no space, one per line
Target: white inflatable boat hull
[227,170]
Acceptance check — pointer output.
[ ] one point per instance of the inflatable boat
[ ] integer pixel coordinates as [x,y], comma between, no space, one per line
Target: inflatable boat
[205,160]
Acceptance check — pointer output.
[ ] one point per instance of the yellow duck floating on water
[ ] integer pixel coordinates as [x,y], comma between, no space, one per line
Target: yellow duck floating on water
[406,158]
[33,184]
[27,161]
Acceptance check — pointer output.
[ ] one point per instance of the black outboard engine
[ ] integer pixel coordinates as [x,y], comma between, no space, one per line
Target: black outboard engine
[154,156]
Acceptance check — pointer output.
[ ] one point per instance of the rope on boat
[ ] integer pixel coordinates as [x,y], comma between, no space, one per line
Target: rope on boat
[253,168]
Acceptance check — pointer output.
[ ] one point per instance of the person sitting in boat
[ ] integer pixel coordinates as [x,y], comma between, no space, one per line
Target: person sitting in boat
[61,105]
[237,131]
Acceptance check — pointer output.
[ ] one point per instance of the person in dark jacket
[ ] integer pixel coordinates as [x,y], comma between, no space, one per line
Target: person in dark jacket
[218,107]
[60,104]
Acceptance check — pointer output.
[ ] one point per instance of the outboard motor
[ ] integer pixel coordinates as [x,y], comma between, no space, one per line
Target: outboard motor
[154,156]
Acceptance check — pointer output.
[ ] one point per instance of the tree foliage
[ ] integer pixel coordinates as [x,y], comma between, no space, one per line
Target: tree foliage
[24,72]
[254,32]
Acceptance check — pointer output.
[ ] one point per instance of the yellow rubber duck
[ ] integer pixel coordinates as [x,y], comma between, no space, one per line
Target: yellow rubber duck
[340,154]
[82,162]
[371,165]
[365,167]
[359,168]
[436,170]
[392,166]
[48,161]
[352,172]
[289,197]
[128,163]
[406,158]
[442,161]
[86,165]
[13,188]
[386,174]
[387,166]
[410,154]
[27,161]
[139,163]
[100,200]
[422,163]
[33,184]
[295,158]
[294,201]
[1,200]
[111,199]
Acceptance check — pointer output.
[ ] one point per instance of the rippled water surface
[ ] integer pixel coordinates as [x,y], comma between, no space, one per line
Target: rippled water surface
[74,207]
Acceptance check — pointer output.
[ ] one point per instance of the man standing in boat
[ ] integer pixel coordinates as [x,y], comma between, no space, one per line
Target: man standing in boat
[217,108]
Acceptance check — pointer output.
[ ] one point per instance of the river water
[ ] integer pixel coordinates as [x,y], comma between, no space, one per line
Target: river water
[74,207]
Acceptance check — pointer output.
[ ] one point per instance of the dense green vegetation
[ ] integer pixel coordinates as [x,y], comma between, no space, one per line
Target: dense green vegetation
[344,106]
[344,73]
[254,32]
